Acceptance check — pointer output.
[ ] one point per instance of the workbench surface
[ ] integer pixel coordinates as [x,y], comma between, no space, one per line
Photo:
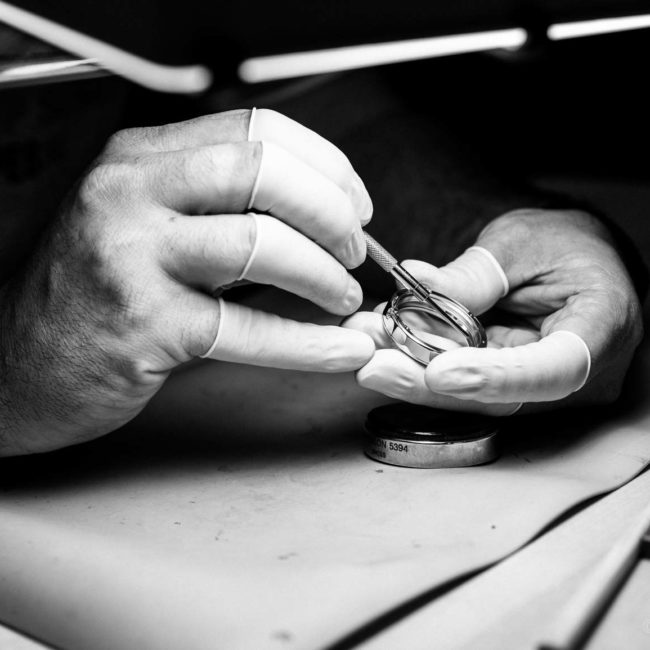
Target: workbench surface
[238,511]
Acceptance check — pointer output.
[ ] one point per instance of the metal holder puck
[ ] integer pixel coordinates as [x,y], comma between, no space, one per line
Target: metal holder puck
[422,437]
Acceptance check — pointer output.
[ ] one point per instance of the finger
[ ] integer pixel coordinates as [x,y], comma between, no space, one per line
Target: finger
[509,337]
[394,374]
[602,317]
[254,337]
[211,252]
[234,177]
[315,151]
[218,128]
[475,279]
[308,200]
[371,323]
[239,126]
[546,370]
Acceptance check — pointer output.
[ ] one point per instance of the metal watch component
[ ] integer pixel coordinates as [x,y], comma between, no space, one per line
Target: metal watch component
[445,326]
[422,437]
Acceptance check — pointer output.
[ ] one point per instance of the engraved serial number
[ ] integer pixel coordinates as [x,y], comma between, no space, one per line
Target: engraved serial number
[398,446]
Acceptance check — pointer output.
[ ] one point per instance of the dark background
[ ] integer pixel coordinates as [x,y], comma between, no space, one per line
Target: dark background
[182,32]
[443,145]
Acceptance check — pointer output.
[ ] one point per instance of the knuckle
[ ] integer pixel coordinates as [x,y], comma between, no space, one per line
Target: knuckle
[105,182]
[231,168]
[182,170]
[109,260]
[121,141]
[233,124]
[106,268]
[157,137]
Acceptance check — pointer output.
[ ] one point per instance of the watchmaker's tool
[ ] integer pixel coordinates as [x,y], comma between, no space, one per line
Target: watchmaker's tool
[421,322]
[419,436]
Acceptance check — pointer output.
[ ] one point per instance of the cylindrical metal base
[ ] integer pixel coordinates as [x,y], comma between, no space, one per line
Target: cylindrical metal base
[421,437]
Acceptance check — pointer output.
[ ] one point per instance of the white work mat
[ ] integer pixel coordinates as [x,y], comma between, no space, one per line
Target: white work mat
[514,605]
[239,512]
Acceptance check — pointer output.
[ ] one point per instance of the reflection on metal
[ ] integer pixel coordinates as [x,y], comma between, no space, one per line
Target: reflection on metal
[29,73]
[283,66]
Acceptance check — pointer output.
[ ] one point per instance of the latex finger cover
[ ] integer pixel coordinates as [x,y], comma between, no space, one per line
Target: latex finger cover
[543,371]
[392,373]
[287,259]
[312,149]
[475,278]
[254,337]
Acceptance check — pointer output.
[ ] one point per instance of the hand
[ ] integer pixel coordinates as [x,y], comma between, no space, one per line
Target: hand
[120,291]
[563,278]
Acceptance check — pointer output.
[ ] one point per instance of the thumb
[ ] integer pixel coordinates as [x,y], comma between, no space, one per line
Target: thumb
[475,279]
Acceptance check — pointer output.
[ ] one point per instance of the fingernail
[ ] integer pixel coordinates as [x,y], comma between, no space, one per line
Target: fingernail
[354,296]
[457,380]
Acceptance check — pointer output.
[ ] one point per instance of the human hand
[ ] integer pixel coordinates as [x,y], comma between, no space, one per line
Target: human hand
[563,278]
[120,291]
